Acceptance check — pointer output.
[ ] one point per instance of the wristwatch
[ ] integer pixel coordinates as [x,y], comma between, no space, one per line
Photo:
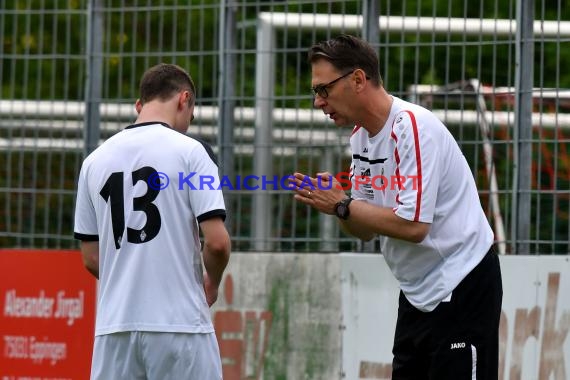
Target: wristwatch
[341,208]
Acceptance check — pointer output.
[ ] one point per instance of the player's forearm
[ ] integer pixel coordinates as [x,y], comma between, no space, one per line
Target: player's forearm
[216,255]
[93,270]
[366,221]
[90,255]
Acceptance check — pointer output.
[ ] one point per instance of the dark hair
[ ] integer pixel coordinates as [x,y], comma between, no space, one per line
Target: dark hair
[165,80]
[346,53]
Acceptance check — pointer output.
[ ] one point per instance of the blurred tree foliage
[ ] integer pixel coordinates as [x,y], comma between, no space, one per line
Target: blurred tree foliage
[43,45]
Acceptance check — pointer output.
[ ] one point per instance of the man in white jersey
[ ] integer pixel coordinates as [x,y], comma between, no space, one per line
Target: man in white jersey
[412,185]
[138,215]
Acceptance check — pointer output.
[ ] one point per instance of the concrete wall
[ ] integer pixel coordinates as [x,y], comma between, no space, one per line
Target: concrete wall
[281,317]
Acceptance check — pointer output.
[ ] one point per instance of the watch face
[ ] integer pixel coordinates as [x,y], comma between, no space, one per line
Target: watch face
[342,210]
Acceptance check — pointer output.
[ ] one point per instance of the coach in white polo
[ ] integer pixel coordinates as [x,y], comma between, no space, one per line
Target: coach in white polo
[138,216]
[412,185]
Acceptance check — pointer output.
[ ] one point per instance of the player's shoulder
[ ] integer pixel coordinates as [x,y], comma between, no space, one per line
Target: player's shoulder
[205,146]
[194,146]
[103,149]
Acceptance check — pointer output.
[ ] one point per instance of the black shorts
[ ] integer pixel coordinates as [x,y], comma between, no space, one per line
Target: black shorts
[458,339]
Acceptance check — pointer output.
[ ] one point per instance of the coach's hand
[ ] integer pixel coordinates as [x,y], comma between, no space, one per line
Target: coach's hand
[322,192]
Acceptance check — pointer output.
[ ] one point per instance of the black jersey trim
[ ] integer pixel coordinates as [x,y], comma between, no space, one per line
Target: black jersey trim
[366,159]
[212,214]
[147,123]
[85,237]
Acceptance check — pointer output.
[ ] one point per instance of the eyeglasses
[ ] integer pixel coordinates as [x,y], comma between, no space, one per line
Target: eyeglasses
[321,89]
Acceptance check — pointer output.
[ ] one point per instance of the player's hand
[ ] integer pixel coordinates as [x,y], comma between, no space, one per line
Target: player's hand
[211,290]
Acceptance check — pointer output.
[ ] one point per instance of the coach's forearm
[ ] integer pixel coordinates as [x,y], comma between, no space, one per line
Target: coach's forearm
[353,227]
[367,220]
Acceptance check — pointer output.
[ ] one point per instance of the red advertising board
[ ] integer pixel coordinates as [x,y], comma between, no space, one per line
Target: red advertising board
[47,316]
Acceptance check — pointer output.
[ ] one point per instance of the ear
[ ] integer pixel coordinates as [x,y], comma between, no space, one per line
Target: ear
[138,106]
[359,79]
[183,99]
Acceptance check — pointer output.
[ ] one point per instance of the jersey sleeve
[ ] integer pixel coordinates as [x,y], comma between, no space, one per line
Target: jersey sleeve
[85,226]
[417,173]
[206,197]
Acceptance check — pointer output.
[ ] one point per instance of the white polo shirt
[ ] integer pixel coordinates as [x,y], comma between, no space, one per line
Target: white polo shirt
[150,263]
[417,169]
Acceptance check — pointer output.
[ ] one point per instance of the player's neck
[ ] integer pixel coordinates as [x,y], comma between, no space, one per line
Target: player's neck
[157,111]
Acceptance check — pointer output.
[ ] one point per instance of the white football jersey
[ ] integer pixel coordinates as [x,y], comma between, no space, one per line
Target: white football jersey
[417,169]
[141,194]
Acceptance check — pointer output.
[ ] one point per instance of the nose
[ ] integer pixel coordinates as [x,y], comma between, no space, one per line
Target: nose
[318,102]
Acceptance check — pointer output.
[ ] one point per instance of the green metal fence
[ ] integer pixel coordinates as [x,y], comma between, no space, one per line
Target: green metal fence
[493,71]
